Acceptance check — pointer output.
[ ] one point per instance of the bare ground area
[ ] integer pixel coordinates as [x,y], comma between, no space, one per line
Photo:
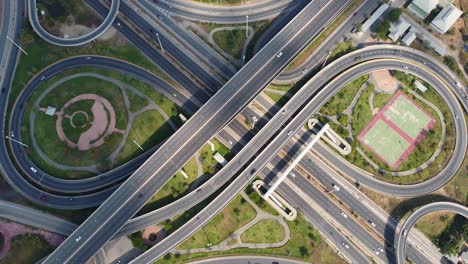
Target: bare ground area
[384,81]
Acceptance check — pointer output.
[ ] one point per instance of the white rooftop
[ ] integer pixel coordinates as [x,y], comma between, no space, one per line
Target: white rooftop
[220,159]
[50,110]
[409,38]
[422,8]
[445,19]
[397,29]
[420,86]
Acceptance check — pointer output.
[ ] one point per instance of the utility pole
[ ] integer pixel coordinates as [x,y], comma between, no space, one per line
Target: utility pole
[18,46]
[160,44]
[14,140]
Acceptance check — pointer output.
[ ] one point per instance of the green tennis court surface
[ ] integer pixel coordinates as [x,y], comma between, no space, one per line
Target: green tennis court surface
[407,116]
[385,142]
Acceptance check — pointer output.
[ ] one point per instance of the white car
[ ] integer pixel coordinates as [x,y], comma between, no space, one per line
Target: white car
[78,238]
[376,252]
[344,215]
[293,174]
[279,54]
[405,232]
[290,132]
[230,142]
[33,169]
[371,223]
[344,244]
[379,248]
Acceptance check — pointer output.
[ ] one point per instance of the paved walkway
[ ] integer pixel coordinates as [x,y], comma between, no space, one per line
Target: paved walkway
[225,54]
[227,243]
[131,116]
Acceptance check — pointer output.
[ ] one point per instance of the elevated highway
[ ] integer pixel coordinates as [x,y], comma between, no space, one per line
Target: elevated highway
[269,151]
[70,42]
[416,215]
[173,154]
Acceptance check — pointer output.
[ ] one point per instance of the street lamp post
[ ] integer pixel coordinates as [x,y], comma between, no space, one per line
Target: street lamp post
[160,44]
[136,143]
[247,26]
[254,120]
[16,141]
[326,59]
[18,46]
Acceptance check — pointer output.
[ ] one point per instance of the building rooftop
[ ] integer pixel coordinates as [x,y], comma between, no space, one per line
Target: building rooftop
[422,8]
[397,29]
[409,38]
[420,86]
[445,19]
[374,17]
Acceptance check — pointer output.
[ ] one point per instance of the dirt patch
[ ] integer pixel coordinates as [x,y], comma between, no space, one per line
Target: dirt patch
[11,229]
[375,111]
[73,31]
[110,33]
[153,234]
[384,81]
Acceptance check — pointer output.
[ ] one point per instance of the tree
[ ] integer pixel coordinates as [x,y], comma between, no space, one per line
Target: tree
[394,15]
[382,30]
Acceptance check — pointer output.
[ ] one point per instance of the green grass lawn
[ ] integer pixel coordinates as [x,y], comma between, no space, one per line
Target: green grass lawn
[341,100]
[342,49]
[362,114]
[264,232]
[44,126]
[149,129]
[27,249]
[381,99]
[259,201]
[175,188]
[163,102]
[235,215]
[136,102]
[305,244]
[231,41]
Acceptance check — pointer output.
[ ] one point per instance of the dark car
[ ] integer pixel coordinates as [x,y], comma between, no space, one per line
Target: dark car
[42,197]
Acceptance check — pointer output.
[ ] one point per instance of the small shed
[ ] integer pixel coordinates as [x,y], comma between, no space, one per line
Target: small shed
[50,111]
[220,159]
[421,87]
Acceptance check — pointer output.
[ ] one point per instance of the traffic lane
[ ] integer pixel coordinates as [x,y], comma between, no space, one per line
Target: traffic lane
[317,58]
[119,198]
[415,216]
[317,221]
[229,15]
[210,83]
[205,52]
[197,95]
[348,222]
[69,42]
[248,260]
